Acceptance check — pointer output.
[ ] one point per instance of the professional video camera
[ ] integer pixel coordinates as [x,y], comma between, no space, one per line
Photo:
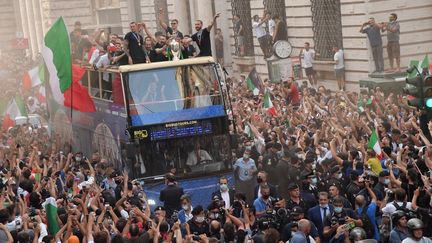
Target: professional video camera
[276,217]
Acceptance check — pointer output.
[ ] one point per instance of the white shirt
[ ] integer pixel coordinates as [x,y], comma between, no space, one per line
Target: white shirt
[390,208]
[104,62]
[259,29]
[338,56]
[93,57]
[308,57]
[272,26]
[192,158]
[226,198]
[422,240]
[188,216]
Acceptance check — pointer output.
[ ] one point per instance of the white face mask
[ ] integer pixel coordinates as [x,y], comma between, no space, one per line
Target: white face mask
[245,156]
[185,207]
[199,219]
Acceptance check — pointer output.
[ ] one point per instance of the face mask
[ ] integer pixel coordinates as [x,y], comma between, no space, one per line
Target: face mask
[339,175]
[185,207]
[248,147]
[78,159]
[314,181]
[224,187]
[245,156]
[324,205]
[215,216]
[386,181]
[199,219]
[259,180]
[338,209]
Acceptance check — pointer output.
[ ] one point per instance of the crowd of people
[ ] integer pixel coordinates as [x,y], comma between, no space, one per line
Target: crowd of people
[302,174]
[320,167]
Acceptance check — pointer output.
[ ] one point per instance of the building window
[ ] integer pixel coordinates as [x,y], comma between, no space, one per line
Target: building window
[107,14]
[242,8]
[327,26]
[276,7]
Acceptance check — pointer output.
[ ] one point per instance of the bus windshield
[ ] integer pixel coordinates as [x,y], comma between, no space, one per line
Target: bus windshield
[174,94]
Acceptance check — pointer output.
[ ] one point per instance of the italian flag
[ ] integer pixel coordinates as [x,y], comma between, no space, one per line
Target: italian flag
[64,83]
[50,206]
[15,108]
[34,77]
[268,104]
[374,144]
[253,82]
[41,95]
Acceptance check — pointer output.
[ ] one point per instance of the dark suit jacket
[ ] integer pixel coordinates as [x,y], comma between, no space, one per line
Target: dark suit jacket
[170,196]
[219,195]
[314,215]
[273,191]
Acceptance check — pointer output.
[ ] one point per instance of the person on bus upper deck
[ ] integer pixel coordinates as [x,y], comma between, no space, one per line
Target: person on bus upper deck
[135,44]
[202,37]
[170,31]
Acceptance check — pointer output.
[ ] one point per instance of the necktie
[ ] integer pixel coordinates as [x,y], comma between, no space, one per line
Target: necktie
[325,214]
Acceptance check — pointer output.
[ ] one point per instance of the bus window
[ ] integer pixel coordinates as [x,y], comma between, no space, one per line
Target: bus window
[174,94]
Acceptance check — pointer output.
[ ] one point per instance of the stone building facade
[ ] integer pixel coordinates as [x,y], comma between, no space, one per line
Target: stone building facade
[304,21]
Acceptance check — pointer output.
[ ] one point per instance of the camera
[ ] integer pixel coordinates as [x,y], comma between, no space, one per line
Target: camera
[196,238]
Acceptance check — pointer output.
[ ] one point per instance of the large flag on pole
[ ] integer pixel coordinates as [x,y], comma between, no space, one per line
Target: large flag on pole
[374,144]
[57,55]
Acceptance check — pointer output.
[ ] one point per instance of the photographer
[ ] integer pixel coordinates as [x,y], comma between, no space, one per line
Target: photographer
[263,203]
[366,212]
[198,225]
[340,216]
[400,203]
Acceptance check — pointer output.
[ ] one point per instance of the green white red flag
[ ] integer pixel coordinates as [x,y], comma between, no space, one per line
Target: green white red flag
[268,104]
[64,83]
[374,144]
[34,77]
[15,108]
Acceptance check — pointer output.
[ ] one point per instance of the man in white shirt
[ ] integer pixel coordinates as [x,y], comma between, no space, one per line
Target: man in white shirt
[198,155]
[259,27]
[398,204]
[271,24]
[103,62]
[339,67]
[308,58]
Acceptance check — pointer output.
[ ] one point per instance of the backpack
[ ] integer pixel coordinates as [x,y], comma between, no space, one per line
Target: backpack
[410,214]
[367,223]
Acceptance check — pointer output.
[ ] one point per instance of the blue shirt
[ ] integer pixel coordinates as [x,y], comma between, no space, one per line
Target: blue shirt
[397,236]
[298,237]
[371,209]
[374,35]
[243,169]
[260,205]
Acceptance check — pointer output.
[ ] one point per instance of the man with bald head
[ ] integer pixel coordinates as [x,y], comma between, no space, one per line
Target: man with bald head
[366,211]
[302,234]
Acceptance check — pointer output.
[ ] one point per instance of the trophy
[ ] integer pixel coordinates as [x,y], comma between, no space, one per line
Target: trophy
[175,50]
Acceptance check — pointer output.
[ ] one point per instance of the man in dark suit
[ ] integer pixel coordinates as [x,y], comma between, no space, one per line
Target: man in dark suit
[318,214]
[224,193]
[171,194]
[262,180]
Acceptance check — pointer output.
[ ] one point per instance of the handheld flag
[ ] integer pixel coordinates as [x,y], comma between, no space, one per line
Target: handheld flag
[268,104]
[253,82]
[374,144]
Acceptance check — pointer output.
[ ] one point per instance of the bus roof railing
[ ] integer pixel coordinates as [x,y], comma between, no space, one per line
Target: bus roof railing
[166,64]
[151,66]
